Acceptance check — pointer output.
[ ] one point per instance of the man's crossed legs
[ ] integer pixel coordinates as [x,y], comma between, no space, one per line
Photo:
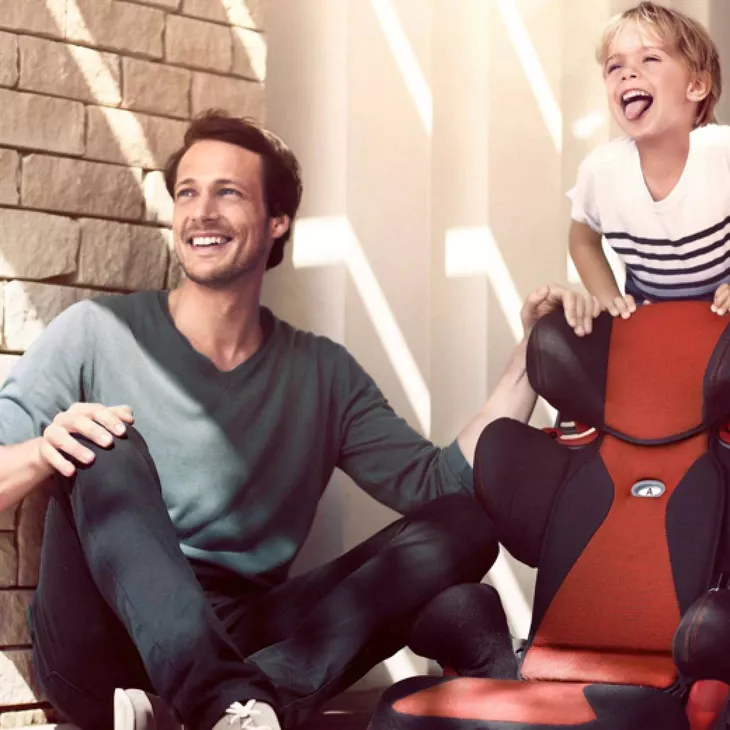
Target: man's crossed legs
[119,605]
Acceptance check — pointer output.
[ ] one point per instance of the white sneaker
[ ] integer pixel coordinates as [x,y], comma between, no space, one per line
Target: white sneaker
[254,715]
[138,710]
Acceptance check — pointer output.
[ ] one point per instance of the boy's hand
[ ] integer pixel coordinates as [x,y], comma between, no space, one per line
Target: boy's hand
[621,306]
[721,301]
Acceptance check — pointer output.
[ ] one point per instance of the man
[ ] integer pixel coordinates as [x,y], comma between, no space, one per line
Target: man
[167,543]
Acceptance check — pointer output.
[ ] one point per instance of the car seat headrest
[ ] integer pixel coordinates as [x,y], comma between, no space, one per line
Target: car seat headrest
[659,376]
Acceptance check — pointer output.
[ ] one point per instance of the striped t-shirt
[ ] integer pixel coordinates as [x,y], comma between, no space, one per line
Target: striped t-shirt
[675,248]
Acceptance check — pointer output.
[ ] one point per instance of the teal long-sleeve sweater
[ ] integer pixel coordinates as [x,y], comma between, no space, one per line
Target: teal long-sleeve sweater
[243,456]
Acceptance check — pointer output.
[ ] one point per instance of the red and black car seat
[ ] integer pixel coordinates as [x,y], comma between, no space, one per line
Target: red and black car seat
[627,526]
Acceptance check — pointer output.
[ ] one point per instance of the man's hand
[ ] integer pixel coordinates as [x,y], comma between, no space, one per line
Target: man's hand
[621,306]
[721,300]
[94,421]
[580,309]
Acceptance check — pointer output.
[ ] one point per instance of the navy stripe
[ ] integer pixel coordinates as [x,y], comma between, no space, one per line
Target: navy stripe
[622,251]
[686,284]
[641,295]
[687,239]
[685,270]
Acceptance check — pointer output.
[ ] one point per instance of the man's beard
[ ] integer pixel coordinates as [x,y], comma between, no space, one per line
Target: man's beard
[224,277]
[219,279]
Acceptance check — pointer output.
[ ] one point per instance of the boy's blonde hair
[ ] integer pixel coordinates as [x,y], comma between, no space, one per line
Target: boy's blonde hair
[688,37]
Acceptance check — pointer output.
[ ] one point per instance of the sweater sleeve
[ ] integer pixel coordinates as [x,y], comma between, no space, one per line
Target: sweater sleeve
[47,379]
[385,456]
[584,197]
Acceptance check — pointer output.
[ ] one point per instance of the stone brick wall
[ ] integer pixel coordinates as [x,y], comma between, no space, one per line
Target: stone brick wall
[94,94]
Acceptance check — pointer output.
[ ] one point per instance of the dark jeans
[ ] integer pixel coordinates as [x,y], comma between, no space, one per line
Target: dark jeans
[119,605]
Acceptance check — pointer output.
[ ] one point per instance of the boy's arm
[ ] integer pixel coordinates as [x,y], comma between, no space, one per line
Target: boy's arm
[586,250]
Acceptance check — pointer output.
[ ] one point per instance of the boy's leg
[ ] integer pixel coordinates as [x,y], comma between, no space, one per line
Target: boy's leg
[111,559]
[318,633]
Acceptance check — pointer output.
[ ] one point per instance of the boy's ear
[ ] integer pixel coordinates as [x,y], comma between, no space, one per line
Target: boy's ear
[699,87]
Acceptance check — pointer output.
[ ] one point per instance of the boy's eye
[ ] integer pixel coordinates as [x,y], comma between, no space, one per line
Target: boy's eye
[651,58]
[613,67]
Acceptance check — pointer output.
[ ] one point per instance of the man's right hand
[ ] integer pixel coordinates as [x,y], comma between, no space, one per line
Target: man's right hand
[96,422]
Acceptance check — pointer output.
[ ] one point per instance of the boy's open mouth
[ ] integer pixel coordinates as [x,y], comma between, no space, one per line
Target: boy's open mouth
[636,103]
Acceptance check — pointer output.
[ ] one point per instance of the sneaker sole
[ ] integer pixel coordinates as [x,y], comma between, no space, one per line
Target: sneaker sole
[132,714]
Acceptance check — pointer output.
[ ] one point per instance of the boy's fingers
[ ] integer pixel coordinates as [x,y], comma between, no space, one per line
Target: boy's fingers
[621,307]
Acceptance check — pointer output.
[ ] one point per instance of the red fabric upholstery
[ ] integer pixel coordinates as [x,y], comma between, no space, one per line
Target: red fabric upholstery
[501,701]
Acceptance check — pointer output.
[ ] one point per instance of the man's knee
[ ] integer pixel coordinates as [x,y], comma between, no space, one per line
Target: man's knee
[123,450]
[115,472]
[461,531]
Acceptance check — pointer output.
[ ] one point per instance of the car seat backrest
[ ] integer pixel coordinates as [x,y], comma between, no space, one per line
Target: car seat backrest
[633,536]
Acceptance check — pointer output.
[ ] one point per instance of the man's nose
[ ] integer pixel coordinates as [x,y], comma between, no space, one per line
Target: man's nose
[207,208]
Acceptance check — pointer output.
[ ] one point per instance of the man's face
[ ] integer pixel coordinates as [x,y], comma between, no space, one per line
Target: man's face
[649,85]
[221,227]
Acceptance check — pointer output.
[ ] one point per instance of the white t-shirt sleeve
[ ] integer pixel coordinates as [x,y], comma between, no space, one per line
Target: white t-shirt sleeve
[584,196]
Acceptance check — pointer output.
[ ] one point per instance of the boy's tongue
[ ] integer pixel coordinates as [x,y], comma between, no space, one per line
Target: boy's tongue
[634,109]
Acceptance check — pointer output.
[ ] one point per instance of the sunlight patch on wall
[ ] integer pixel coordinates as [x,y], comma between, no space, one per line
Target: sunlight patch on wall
[586,126]
[331,240]
[516,605]
[401,666]
[238,13]
[472,251]
[127,130]
[534,72]
[406,61]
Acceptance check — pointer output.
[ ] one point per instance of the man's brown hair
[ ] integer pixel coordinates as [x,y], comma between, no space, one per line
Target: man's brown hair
[282,182]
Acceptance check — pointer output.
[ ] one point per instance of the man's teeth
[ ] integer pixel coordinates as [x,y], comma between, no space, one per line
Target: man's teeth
[208,240]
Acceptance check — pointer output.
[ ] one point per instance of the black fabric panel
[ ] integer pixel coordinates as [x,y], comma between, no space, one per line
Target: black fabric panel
[617,707]
[716,385]
[582,506]
[570,371]
[694,521]
[517,473]
[722,456]
[624,708]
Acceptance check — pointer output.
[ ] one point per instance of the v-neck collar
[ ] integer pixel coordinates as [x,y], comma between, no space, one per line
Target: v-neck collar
[204,363]
[676,193]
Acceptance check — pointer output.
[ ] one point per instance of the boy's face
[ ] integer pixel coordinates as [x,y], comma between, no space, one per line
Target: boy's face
[651,90]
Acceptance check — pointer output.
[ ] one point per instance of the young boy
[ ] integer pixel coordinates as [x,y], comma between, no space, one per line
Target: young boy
[660,196]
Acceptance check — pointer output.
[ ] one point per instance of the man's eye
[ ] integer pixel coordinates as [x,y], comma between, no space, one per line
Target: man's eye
[184,193]
[228,191]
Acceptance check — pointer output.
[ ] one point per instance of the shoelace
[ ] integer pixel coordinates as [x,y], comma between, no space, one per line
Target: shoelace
[244,714]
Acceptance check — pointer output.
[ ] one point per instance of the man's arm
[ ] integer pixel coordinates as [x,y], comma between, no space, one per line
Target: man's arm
[513,397]
[22,469]
[402,469]
[40,412]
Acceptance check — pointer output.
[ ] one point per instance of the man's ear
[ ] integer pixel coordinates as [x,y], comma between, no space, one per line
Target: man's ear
[699,87]
[279,225]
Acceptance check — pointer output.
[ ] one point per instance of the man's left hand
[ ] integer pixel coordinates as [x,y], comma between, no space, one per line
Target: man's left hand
[580,308]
